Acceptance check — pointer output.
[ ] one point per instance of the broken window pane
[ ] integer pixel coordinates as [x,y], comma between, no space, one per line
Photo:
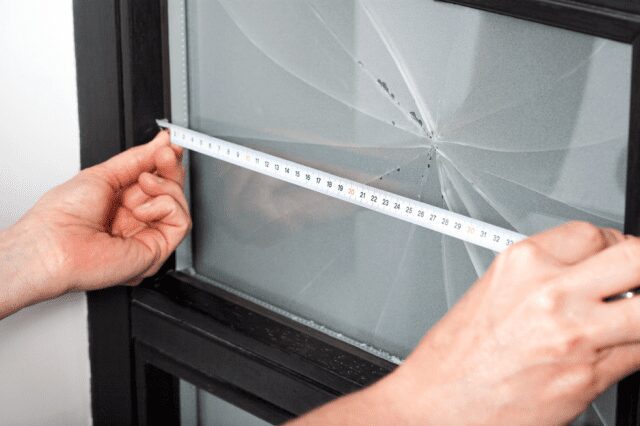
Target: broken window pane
[518,124]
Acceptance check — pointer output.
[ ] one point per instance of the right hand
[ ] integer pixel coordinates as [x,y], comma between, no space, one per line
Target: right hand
[533,341]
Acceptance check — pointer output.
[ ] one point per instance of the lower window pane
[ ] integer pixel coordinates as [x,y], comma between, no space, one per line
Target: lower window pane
[200,408]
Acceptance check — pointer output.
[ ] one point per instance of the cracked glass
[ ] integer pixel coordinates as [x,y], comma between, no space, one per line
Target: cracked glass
[514,123]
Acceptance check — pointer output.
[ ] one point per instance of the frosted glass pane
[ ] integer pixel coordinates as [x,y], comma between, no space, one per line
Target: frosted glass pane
[214,411]
[200,408]
[519,124]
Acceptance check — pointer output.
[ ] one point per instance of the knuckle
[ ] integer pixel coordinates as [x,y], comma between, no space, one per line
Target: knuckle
[550,299]
[167,204]
[185,225]
[593,331]
[570,343]
[173,208]
[524,251]
[591,232]
[631,250]
[586,229]
[166,199]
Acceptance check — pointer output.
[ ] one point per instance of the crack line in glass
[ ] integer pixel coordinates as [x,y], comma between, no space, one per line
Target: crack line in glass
[320,273]
[313,86]
[553,199]
[398,273]
[463,184]
[475,188]
[323,144]
[374,80]
[532,97]
[529,151]
[404,72]
[320,199]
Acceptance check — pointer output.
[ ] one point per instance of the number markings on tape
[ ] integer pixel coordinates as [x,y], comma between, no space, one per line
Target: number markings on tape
[427,216]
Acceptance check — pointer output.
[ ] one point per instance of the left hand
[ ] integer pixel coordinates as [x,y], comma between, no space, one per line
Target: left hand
[116,222]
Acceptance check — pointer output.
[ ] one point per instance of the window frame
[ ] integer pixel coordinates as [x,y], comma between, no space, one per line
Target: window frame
[617,20]
[175,326]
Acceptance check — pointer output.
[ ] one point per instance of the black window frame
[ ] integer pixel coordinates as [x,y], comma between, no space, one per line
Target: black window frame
[174,326]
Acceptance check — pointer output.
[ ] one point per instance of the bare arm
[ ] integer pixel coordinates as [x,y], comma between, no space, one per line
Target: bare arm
[532,343]
[116,222]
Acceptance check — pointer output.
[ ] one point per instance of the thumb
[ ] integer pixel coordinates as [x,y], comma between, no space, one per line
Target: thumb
[167,223]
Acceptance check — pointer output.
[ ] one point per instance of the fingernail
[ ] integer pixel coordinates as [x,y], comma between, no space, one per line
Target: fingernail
[145,206]
[158,179]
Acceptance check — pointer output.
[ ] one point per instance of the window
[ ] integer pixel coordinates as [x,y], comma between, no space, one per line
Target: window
[201,408]
[518,123]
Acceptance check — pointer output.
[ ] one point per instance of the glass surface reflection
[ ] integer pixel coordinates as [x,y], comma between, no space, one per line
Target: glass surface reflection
[518,124]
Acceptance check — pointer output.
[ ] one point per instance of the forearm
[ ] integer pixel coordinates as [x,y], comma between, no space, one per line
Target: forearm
[24,276]
[381,403]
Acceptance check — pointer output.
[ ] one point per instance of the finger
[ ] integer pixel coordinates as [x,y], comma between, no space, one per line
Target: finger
[573,242]
[176,148]
[153,185]
[123,169]
[168,165]
[134,282]
[169,223]
[617,322]
[133,196]
[124,224]
[619,362]
[612,271]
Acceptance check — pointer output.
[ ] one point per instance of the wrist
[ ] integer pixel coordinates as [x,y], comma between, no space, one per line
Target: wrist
[411,395]
[381,403]
[396,401]
[28,268]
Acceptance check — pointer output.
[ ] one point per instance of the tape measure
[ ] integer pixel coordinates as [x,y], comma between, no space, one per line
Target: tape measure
[427,216]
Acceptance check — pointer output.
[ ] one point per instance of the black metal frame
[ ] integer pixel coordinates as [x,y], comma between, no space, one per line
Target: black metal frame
[174,326]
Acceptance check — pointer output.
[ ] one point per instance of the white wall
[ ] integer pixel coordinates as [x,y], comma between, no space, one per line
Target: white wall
[44,359]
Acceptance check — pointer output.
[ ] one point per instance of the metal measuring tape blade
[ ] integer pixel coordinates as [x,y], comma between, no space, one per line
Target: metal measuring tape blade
[425,215]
